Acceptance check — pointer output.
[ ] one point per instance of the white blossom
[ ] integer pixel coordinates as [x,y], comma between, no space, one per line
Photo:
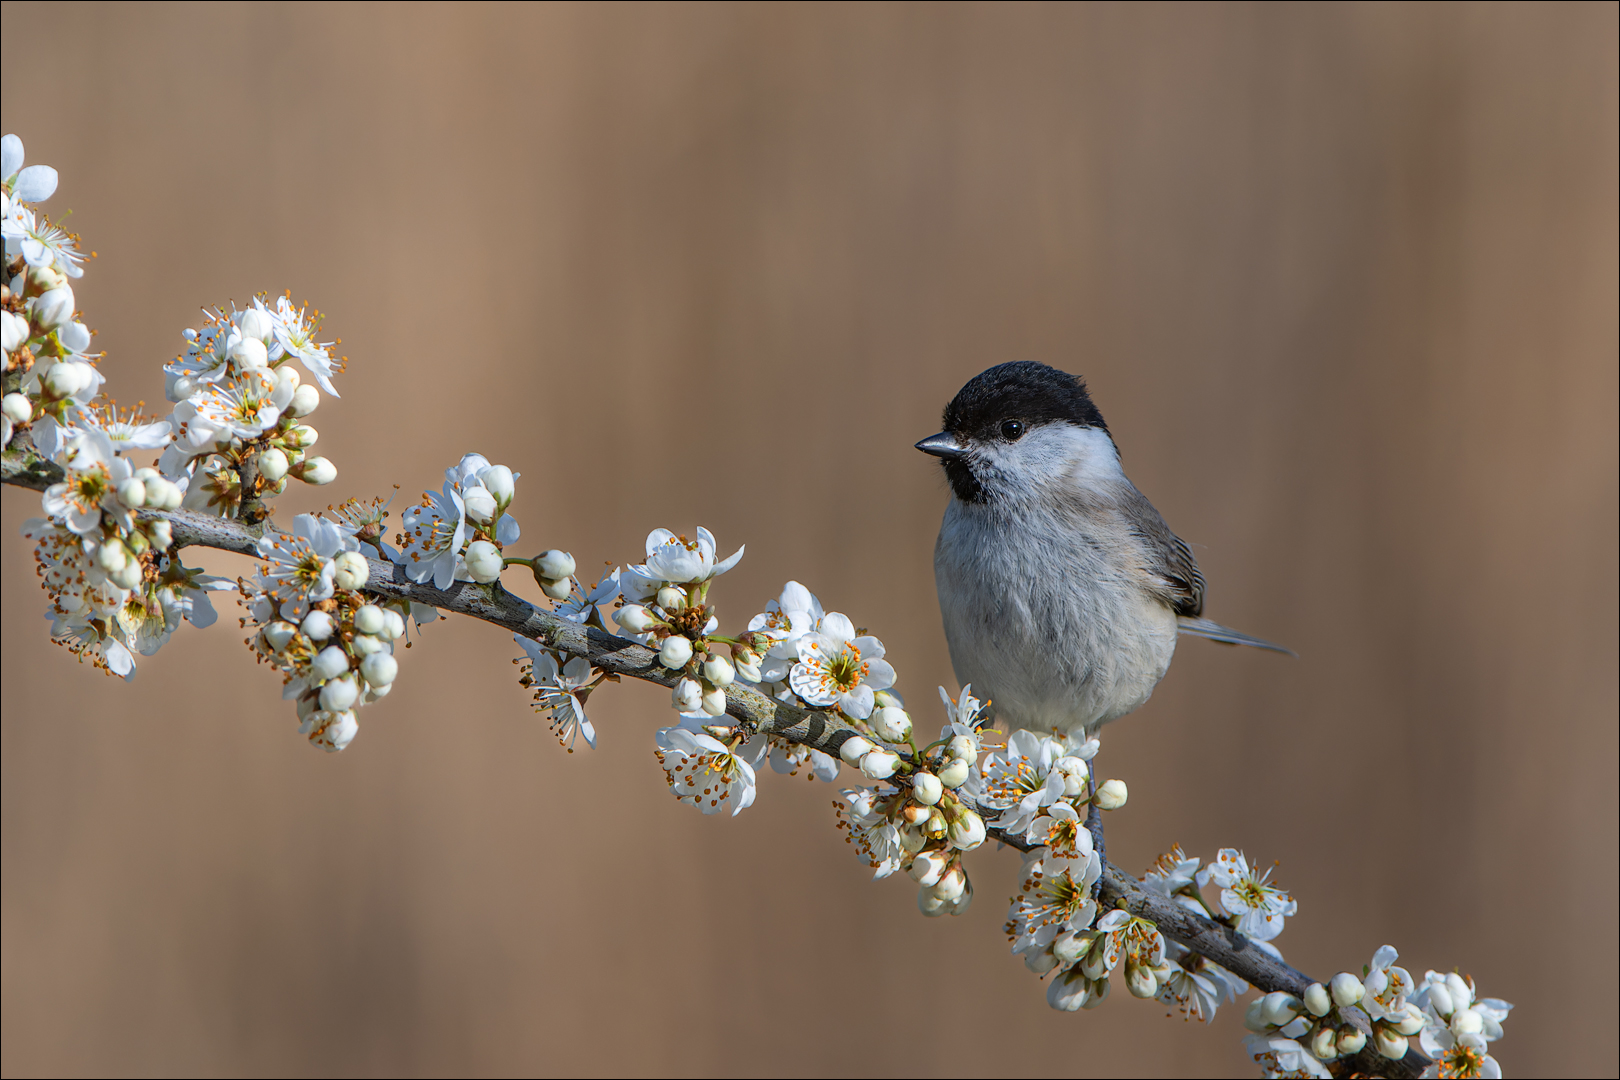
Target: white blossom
[784,621]
[1055,897]
[839,669]
[561,688]
[704,771]
[1259,906]
[675,560]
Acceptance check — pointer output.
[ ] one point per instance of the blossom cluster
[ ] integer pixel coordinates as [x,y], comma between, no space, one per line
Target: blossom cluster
[239,425]
[333,644]
[1292,1036]
[115,588]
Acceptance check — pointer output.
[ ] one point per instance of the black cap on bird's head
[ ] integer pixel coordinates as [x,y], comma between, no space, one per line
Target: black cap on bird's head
[1002,405]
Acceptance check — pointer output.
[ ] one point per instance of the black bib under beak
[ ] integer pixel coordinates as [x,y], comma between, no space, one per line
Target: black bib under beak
[942,446]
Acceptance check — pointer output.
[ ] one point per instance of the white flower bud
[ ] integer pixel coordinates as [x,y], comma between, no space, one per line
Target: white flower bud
[128,576]
[926,788]
[379,669]
[888,699]
[112,556]
[278,633]
[353,571]
[1440,998]
[1350,1042]
[747,661]
[342,730]
[316,470]
[369,619]
[178,388]
[363,645]
[287,380]
[928,866]
[634,618]
[330,662]
[714,702]
[132,493]
[254,324]
[497,479]
[955,773]
[963,748]
[1461,993]
[1070,947]
[929,904]
[1254,1017]
[1140,980]
[483,560]
[950,884]
[339,694]
[480,505]
[675,652]
[13,332]
[1279,1009]
[558,590]
[68,377]
[17,408]
[670,598]
[687,695]
[1347,989]
[967,831]
[854,748]
[891,724]
[137,543]
[1413,1022]
[1317,999]
[305,400]
[1466,1022]
[1074,772]
[1111,795]
[396,625]
[250,353]
[1325,1043]
[1040,962]
[54,309]
[302,436]
[879,764]
[718,670]
[912,839]
[163,494]
[1388,1043]
[273,464]
[317,626]
[555,565]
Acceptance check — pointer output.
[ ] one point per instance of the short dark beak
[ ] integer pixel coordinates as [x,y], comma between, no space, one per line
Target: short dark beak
[941,446]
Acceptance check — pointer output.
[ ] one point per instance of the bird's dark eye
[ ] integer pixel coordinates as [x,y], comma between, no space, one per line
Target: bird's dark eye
[1012,430]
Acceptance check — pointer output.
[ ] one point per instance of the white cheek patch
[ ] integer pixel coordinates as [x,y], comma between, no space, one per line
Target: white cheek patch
[1052,453]
[1096,459]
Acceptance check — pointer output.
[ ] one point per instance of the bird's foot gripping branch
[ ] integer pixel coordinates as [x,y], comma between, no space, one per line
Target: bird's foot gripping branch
[799,687]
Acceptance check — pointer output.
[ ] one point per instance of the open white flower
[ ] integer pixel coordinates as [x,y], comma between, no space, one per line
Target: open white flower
[562,689]
[299,566]
[244,406]
[1260,907]
[675,560]
[434,534]
[704,771]
[789,758]
[581,606]
[1458,1025]
[1021,778]
[785,620]
[294,329]
[1279,1057]
[836,668]
[40,242]
[1055,898]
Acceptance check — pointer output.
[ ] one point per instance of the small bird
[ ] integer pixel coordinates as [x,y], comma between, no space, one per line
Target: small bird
[1061,588]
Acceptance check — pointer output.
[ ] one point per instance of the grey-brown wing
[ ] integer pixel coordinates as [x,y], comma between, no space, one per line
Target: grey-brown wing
[1172,571]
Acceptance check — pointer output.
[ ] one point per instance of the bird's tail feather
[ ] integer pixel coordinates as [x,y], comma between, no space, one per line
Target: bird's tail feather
[1216,632]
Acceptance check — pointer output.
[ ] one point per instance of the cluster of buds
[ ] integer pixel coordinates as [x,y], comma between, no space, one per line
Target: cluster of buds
[458,532]
[241,407]
[925,820]
[333,643]
[1336,1019]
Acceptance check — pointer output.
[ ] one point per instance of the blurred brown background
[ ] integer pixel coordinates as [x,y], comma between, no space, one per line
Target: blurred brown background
[1342,278]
